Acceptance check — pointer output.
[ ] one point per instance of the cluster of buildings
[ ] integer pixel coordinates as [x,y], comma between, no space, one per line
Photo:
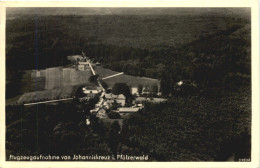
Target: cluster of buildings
[108,102]
[146,90]
[81,63]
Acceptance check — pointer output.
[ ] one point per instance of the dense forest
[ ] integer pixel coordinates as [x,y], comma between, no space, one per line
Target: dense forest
[194,128]
[208,117]
[42,41]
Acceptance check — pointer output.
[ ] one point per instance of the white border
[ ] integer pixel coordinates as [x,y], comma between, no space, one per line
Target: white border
[186,3]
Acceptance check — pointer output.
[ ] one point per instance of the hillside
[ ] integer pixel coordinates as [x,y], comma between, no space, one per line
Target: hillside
[136,31]
[140,40]
[133,81]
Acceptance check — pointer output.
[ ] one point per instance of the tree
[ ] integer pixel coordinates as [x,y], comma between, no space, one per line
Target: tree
[115,105]
[79,93]
[140,89]
[67,136]
[121,88]
[155,89]
[113,137]
[166,85]
[114,115]
[93,79]
[105,86]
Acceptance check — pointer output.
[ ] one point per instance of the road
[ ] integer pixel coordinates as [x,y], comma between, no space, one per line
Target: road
[94,73]
[49,101]
[111,76]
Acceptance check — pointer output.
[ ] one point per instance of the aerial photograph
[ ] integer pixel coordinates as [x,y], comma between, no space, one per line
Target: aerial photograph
[128,84]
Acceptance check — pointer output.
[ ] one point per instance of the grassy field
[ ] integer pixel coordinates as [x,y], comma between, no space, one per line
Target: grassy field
[50,94]
[133,81]
[58,77]
[12,100]
[31,83]
[103,72]
[52,78]
[59,82]
[50,83]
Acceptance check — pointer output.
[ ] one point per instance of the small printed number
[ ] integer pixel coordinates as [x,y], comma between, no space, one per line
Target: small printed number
[244,160]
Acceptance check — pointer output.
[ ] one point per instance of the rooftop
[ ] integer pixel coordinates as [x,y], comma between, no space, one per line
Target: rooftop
[90,91]
[112,96]
[128,109]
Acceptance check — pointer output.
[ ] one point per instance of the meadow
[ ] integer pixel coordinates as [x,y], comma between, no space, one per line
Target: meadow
[49,84]
[62,77]
[132,81]
[51,94]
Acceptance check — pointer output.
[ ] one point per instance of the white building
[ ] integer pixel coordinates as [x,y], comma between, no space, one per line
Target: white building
[84,63]
[134,91]
[83,67]
[87,121]
[124,111]
[90,91]
[95,110]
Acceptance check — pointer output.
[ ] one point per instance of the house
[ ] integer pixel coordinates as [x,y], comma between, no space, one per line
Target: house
[99,89]
[87,121]
[90,94]
[128,109]
[95,110]
[83,63]
[90,86]
[102,113]
[179,83]
[110,98]
[124,111]
[140,100]
[83,67]
[106,105]
[154,89]
[134,91]
[74,57]
[90,91]
[140,106]
[121,99]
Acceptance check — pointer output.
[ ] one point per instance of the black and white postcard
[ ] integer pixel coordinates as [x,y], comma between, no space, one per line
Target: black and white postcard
[115,84]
